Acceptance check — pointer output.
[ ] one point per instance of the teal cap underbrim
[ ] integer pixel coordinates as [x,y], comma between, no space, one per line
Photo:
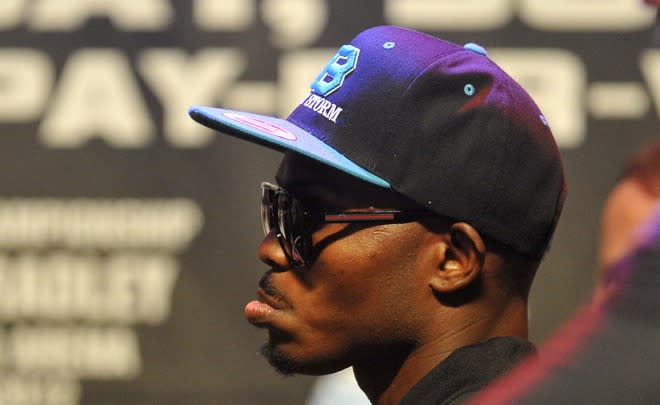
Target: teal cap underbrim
[279,134]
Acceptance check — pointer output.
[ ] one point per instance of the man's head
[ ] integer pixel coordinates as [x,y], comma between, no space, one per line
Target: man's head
[456,161]
[377,287]
[439,123]
[630,202]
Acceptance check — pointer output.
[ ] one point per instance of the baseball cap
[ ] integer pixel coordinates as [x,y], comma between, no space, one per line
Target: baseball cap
[437,122]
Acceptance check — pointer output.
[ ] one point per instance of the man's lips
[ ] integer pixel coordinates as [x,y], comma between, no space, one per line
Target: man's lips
[260,311]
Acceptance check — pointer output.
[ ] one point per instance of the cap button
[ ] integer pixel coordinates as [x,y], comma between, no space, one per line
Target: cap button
[476,48]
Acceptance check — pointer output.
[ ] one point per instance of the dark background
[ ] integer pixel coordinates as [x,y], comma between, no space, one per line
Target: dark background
[205,352]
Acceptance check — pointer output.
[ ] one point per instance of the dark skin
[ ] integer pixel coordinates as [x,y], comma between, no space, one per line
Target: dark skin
[391,300]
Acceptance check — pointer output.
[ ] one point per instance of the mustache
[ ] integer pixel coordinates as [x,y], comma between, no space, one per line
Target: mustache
[266,284]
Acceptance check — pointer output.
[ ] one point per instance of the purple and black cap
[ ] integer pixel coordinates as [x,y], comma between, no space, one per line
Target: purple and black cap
[437,122]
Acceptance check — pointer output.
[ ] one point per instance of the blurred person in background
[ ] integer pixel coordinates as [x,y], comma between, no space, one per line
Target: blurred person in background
[629,203]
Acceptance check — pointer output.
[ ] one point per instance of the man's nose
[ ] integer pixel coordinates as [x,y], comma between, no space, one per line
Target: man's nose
[271,253]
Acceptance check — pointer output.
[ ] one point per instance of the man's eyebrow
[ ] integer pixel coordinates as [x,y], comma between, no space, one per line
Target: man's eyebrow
[313,194]
[296,180]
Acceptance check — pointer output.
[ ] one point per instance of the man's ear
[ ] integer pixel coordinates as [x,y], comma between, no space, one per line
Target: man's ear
[460,261]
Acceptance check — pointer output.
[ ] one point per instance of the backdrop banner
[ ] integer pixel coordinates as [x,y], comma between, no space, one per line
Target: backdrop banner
[129,234]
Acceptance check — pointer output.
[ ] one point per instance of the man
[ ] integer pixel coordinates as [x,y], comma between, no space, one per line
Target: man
[609,352]
[419,189]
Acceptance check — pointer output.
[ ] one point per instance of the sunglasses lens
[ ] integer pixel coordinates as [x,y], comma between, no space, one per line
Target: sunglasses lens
[290,216]
[282,212]
[268,218]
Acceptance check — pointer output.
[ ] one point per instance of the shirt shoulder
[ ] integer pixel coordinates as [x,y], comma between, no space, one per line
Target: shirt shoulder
[467,370]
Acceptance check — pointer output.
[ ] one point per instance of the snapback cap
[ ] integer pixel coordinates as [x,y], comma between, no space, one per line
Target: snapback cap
[437,122]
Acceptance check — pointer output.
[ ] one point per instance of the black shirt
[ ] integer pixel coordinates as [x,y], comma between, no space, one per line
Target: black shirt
[467,370]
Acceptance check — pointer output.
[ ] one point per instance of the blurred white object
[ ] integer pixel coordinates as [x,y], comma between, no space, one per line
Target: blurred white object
[338,388]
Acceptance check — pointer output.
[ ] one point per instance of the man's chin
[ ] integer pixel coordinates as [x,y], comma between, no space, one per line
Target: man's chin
[283,352]
[281,362]
[286,364]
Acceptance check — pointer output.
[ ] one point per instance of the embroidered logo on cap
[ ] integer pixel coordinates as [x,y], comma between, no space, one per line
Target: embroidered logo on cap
[332,76]
[261,125]
[322,106]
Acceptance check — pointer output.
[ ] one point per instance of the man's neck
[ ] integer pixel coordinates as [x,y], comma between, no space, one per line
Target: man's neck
[388,378]
[387,384]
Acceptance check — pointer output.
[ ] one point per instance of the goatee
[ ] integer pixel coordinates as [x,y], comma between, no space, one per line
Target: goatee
[282,363]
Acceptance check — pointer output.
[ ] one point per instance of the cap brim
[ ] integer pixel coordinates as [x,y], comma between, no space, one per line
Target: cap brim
[279,134]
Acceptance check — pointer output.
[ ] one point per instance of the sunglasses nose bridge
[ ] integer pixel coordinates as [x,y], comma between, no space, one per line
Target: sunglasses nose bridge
[272,253]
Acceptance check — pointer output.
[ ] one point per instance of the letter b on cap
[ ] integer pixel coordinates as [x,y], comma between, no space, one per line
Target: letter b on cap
[334,73]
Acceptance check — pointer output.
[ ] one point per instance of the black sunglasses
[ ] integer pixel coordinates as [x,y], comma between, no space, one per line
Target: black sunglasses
[293,225]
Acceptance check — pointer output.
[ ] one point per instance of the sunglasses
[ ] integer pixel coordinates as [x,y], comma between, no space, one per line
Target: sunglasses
[293,224]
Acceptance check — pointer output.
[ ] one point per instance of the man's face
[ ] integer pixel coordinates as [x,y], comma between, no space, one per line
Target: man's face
[360,295]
